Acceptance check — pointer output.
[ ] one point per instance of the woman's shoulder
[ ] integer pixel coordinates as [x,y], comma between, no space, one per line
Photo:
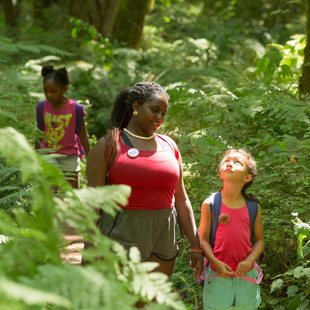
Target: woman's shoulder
[168,139]
[107,139]
[100,142]
[97,149]
[171,143]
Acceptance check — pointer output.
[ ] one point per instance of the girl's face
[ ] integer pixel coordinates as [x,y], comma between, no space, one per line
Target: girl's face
[151,114]
[54,92]
[234,167]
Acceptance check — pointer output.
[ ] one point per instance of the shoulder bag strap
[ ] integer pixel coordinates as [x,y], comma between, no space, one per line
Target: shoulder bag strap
[40,119]
[215,206]
[252,208]
[126,139]
[79,115]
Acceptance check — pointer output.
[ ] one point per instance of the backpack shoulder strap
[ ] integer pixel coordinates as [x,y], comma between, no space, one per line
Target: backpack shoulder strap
[79,115]
[40,119]
[252,208]
[126,139]
[215,202]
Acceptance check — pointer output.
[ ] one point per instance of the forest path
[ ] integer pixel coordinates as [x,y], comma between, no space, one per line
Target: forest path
[73,255]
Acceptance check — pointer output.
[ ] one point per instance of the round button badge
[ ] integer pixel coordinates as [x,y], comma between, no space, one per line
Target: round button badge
[133,153]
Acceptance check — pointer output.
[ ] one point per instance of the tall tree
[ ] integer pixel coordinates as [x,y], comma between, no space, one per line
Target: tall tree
[39,5]
[11,12]
[304,82]
[129,21]
[98,13]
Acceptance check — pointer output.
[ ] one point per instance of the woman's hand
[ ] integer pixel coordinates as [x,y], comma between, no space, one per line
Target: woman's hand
[196,262]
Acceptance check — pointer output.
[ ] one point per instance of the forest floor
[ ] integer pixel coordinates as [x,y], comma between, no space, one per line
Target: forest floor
[73,255]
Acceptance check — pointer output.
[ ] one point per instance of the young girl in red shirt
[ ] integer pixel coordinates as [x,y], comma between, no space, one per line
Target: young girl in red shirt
[232,276]
[57,116]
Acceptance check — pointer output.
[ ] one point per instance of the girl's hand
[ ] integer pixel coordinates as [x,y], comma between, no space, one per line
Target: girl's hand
[223,270]
[243,267]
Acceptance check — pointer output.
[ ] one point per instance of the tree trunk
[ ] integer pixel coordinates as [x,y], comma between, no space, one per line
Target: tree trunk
[129,22]
[211,7]
[11,12]
[40,11]
[304,82]
[39,5]
[98,13]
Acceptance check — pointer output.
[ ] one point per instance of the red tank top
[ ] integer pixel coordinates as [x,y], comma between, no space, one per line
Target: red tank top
[232,242]
[152,175]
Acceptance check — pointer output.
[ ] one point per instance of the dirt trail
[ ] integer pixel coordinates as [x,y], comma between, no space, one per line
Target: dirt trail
[73,250]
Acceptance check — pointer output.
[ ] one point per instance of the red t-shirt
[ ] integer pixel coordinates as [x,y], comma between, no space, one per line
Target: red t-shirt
[152,175]
[232,242]
[59,128]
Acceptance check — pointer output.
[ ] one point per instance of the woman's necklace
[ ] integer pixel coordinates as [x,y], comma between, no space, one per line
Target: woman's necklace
[139,137]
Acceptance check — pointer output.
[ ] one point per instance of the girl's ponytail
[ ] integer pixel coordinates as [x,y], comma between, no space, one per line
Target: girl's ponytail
[59,76]
[46,70]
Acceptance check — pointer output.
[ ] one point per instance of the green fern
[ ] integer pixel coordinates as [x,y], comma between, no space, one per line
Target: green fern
[10,48]
[38,279]
[13,193]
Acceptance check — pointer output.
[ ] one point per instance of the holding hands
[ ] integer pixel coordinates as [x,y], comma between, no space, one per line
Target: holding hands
[196,263]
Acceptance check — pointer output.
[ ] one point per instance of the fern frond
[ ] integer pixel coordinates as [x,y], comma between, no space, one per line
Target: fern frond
[9,47]
[13,193]
[151,286]
[96,291]
[30,295]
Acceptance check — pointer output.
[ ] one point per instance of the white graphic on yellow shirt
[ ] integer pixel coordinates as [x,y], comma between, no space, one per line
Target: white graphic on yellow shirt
[55,128]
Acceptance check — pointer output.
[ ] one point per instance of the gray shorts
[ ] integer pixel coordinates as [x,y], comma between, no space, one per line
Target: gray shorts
[151,231]
[66,163]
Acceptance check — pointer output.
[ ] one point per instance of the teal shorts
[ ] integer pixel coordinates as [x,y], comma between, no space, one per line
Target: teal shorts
[230,293]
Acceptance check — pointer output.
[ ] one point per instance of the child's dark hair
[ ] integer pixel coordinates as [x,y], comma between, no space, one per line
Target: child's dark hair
[59,76]
[122,112]
[251,165]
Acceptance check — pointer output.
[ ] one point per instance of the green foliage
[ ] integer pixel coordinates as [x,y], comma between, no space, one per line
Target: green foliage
[302,232]
[230,85]
[9,49]
[281,64]
[38,278]
[292,288]
[12,191]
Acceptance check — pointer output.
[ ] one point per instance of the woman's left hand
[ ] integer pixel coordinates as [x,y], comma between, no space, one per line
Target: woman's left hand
[196,262]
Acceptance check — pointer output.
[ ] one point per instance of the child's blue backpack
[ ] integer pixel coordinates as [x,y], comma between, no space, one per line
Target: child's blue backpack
[215,202]
[79,115]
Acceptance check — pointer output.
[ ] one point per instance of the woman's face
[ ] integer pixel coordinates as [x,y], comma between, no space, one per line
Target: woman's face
[151,114]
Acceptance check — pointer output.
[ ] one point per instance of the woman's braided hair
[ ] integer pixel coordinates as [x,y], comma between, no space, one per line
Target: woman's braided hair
[122,113]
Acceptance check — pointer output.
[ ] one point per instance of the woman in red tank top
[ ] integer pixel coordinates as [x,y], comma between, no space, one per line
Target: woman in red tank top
[132,153]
